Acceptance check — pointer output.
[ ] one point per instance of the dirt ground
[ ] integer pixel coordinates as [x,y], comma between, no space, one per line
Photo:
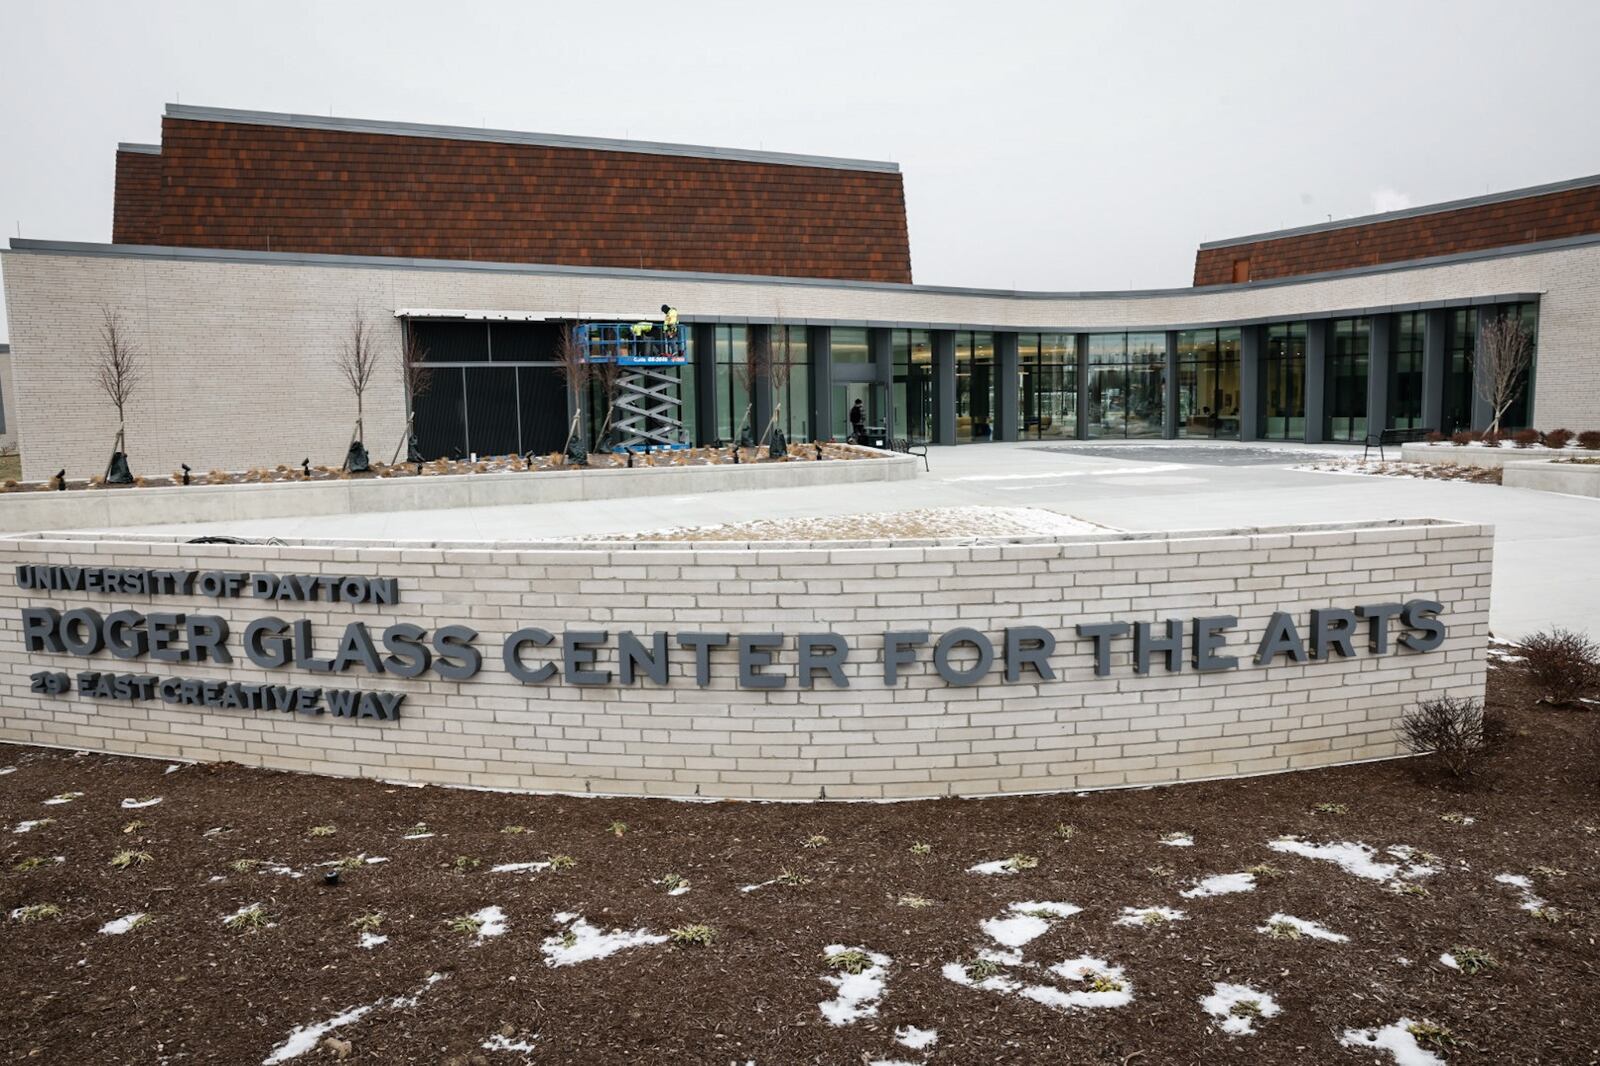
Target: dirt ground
[891,879]
[496,464]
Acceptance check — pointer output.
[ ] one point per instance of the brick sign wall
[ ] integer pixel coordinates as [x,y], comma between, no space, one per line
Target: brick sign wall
[750,671]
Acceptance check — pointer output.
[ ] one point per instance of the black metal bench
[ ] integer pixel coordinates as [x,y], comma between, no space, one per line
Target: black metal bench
[1392,436]
[911,446]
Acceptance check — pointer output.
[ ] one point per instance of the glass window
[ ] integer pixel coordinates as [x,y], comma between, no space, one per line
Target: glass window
[1127,383]
[1208,383]
[1520,414]
[913,384]
[974,387]
[850,346]
[1458,374]
[1347,379]
[1284,383]
[791,382]
[1047,385]
[1405,378]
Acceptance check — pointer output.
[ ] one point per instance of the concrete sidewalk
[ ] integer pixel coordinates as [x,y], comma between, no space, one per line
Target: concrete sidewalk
[1547,546]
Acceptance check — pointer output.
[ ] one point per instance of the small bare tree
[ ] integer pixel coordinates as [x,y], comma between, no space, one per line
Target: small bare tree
[778,366]
[357,362]
[1505,353]
[119,371]
[572,361]
[757,354]
[608,375]
[412,362]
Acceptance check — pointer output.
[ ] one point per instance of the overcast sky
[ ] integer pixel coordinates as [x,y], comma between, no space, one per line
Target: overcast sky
[1044,145]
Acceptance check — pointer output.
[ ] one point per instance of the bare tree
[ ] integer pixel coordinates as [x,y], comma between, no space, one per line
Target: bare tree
[572,360]
[1505,353]
[608,375]
[119,370]
[412,362]
[778,367]
[357,362]
[757,354]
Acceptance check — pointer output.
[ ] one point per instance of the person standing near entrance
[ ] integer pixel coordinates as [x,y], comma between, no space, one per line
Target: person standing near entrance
[858,418]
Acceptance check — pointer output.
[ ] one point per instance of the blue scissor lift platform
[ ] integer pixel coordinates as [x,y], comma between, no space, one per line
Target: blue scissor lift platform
[649,408]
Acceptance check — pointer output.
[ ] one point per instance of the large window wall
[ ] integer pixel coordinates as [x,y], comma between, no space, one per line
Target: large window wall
[1458,374]
[791,382]
[1346,395]
[1208,383]
[1405,375]
[1127,384]
[1047,385]
[1283,387]
[1520,414]
[727,410]
[913,384]
[975,410]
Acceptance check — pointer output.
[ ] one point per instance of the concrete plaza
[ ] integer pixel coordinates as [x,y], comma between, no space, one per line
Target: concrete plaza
[1547,546]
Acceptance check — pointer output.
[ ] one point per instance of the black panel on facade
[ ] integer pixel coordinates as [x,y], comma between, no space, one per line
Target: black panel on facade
[543,396]
[523,342]
[491,410]
[441,416]
[452,342]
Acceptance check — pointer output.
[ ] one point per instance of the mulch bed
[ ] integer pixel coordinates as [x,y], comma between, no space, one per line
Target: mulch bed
[1480,475]
[496,464]
[183,988]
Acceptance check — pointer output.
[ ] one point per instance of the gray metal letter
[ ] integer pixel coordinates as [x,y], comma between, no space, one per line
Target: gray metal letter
[1103,633]
[973,674]
[1041,642]
[809,644]
[1208,638]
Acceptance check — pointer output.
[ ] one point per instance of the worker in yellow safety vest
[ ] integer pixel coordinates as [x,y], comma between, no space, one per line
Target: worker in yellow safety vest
[671,319]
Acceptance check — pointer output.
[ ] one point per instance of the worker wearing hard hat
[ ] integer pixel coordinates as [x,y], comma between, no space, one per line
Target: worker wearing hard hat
[671,319]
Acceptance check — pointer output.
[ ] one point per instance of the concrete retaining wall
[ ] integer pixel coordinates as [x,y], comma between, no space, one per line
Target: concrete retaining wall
[919,736]
[1487,458]
[23,512]
[1574,479]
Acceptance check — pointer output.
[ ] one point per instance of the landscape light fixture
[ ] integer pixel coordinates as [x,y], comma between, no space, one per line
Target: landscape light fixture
[305,467]
[330,878]
[185,472]
[818,445]
[61,480]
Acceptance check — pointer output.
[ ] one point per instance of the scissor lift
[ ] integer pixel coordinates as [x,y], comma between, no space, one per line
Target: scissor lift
[648,407]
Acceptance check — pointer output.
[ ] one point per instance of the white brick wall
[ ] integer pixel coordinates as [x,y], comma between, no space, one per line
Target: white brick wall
[922,738]
[242,352]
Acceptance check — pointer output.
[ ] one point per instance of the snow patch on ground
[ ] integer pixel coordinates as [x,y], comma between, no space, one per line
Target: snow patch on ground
[995,866]
[887,525]
[1080,970]
[1178,840]
[503,1043]
[1027,921]
[519,867]
[1221,885]
[1449,960]
[131,804]
[118,926]
[371,940]
[7,770]
[1530,901]
[30,825]
[305,1038]
[858,993]
[583,942]
[1307,928]
[916,1039]
[416,836]
[65,797]
[1149,916]
[1224,997]
[492,922]
[1396,1039]
[1360,860]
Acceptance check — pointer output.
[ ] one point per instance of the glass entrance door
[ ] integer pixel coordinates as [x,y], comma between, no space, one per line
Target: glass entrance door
[870,395]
